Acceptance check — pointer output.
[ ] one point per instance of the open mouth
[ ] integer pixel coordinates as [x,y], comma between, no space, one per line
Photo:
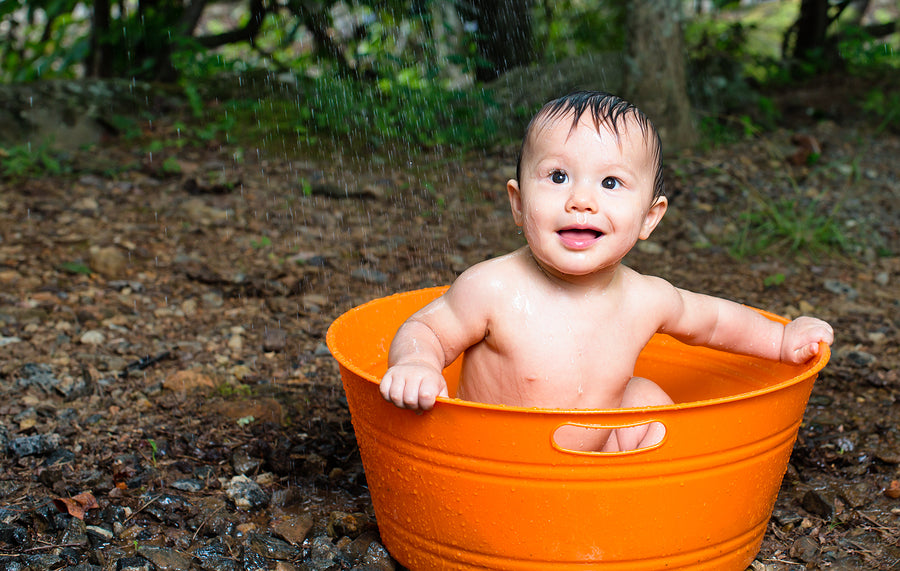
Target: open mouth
[579,238]
[580,234]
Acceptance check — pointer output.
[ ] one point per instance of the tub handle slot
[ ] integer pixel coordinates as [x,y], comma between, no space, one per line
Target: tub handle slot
[605,439]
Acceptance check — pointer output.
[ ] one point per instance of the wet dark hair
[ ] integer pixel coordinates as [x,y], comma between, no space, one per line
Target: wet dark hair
[606,109]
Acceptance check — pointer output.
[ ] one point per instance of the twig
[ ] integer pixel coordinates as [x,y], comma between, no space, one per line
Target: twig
[140,509]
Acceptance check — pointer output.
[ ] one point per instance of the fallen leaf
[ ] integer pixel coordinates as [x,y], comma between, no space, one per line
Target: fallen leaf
[893,490]
[77,506]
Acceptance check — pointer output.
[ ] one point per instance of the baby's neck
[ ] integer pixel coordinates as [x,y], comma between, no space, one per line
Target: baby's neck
[598,281]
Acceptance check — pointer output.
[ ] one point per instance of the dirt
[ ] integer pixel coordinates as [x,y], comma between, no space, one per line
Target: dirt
[162,333]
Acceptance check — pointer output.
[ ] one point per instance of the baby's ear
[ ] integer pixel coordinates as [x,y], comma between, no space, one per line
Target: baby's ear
[515,200]
[654,215]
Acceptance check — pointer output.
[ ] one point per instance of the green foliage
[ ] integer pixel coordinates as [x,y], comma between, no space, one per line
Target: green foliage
[75,268]
[24,160]
[789,225]
[885,109]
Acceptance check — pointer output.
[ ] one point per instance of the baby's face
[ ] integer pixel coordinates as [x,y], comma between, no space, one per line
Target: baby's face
[585,197]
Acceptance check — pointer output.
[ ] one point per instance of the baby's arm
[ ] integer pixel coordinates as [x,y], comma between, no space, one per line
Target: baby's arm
[427,342]
[714,322]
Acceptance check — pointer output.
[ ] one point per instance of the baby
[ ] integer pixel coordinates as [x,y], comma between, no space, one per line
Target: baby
[560,322]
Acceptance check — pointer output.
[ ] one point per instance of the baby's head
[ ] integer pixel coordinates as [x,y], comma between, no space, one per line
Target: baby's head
[610,111]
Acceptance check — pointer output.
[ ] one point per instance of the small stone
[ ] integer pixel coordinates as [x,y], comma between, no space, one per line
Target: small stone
[651,248]
[236,343]
[165,559]
[8,340]
[882,278]
[369,275]
[840,288]
[243,463]
[805,549]
[188,485]
[109,262]
[815,503]
[34,445]
[92,337]
[342,524]
[272,547]
[246,494]
[274,340]
[860,358]
[321,350]
[292,528]
[134,564]
[187,380]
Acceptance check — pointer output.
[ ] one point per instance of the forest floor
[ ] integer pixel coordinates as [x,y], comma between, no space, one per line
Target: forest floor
[165,390]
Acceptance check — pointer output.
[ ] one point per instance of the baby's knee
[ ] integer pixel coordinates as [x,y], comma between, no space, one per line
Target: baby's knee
[644,392]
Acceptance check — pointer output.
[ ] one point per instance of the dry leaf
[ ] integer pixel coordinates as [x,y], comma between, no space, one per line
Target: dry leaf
[78,505]
[893,490]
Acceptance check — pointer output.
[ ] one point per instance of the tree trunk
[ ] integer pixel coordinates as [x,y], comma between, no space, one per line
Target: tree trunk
[100,61]
[504,37]
[812,27]
[655,76]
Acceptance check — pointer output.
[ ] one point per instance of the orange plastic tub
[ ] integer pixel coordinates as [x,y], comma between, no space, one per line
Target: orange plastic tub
[474,486]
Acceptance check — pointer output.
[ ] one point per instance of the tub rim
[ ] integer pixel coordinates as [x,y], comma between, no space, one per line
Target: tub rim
[810,369]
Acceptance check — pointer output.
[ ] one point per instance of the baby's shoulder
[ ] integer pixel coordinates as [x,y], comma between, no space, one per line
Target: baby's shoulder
[646,289]
[494,275]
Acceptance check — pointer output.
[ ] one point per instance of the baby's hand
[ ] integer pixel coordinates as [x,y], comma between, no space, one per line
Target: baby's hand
[413,385]
[801,339]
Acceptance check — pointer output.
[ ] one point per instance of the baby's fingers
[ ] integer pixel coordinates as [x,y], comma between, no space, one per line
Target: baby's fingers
[806,352]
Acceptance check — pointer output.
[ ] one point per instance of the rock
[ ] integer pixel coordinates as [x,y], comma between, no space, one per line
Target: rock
[75,533]
[109,262]
[187,380]
[321,350]
[342,524]
[134,564]
[243,463]
[651,248]
[369,275]
[188,485]
[246,494]
[34,445]
[377,558]
[9,340]
[274,340]
[816,503]
[165,559]
[804,548]
[292,527]
[39,375]
[273,548]
[92,337]
[860,358]
[12,535]
[840,288]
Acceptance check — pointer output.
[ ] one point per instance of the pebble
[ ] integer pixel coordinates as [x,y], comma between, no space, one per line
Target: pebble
[109,262]
[246,494]
[817,504]
[292,528]
[804,548]
[92,337]
[188,485]
[243,463]
[272,547]
[274,340]
[369,275]
[164,558]
[860,358]
[41,375]
[840,288]
[9,340]
[34,445]
[134,564]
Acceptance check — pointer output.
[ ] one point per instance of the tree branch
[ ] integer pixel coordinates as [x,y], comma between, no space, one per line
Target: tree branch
[247,33]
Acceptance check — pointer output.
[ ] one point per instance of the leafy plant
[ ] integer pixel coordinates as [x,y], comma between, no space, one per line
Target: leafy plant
[788,225]
[76,268]
[24,160]
[885,108]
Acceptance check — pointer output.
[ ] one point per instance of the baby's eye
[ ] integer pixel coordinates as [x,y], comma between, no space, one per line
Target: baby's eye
[558,177]
[610,183]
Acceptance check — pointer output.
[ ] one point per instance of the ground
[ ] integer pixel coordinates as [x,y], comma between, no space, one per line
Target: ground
[163,316]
